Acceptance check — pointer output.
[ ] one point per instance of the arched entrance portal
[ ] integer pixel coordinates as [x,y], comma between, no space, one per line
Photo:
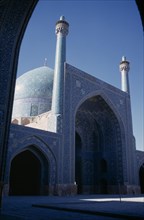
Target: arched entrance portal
[141,177]
[25,174]
[98,149]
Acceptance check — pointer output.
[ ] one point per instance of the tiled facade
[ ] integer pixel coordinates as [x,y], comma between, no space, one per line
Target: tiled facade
[93,149]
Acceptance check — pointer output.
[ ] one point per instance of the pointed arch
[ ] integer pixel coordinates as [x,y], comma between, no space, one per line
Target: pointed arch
[42,152]
[25,174]
[105,98]
[97,119]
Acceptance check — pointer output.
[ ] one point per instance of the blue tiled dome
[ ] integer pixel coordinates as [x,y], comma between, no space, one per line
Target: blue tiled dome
[33,92]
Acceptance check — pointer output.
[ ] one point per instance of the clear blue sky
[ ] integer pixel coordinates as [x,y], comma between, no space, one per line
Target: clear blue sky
[101,32]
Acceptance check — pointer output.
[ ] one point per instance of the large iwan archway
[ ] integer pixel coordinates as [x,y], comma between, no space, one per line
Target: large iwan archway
[98,147]
[25,174]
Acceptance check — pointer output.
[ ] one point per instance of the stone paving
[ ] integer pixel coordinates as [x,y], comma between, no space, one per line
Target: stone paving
[80,207]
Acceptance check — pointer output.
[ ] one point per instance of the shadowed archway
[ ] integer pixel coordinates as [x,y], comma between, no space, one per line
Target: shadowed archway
[25,174]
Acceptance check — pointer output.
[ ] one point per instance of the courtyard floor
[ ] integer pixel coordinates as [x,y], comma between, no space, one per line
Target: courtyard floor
[72,207]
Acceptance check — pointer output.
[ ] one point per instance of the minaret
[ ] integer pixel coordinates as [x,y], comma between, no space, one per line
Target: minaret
[60,58]
[124,69]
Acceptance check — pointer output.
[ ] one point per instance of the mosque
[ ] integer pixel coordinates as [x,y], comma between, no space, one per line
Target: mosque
[71,133]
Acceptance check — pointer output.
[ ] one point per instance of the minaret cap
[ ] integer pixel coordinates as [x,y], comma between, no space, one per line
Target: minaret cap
[62,18]
[124,60]
[62,26]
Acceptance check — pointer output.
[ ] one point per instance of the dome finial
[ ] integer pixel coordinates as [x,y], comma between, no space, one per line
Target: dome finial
[45,62]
